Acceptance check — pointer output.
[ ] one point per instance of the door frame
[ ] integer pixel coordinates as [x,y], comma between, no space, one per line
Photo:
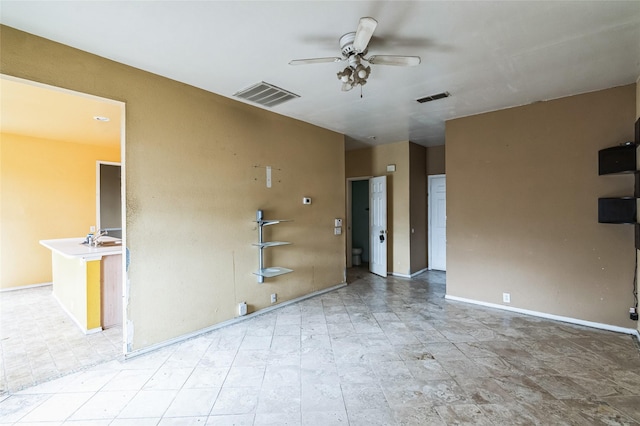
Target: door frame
[430,216]
[126,334]
[349,217]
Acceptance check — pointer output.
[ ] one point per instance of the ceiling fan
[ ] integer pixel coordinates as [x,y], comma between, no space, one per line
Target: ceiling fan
[354,48]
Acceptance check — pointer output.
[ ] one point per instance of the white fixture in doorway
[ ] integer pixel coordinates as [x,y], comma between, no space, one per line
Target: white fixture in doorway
[437,202]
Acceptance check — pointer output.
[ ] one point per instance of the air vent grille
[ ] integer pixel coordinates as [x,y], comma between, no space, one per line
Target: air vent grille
[266,94]
[434,97]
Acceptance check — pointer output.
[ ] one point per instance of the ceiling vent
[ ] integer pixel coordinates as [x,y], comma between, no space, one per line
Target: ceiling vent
[266,94]
[434,97]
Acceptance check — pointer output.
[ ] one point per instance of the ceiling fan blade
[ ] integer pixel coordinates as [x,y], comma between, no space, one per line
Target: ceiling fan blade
[314,61]
[401,61]
[365,30]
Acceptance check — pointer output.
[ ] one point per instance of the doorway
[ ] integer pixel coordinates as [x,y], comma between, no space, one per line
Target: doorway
[367,223]
[73,130]
[359,223]
[437,204]
[109,199]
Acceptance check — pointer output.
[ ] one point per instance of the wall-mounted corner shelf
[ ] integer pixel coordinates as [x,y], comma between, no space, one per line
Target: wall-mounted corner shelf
[273,271]
[619,160]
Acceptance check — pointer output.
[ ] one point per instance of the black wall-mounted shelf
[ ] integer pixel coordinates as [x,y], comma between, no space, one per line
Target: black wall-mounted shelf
[617,159]
[621,159]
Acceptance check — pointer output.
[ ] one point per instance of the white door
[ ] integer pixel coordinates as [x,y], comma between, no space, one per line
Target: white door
[378,225]
[438,222]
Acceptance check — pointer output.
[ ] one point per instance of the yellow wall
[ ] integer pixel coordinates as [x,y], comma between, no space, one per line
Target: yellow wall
[48,192]
[522,207]
[373,162]
[194,166]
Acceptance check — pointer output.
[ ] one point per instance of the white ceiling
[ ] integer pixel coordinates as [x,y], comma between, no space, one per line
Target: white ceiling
[488,55]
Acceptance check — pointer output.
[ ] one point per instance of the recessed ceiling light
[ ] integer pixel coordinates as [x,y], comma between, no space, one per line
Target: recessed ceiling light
[101,118]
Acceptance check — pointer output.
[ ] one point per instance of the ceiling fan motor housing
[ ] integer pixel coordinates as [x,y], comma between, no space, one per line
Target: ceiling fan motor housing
[346,45]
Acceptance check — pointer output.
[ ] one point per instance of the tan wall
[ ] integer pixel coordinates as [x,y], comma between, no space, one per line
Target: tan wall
[194,165]
[48,191]
[436,160]
[522,190]
[418,207]
[373,162]
[637,117]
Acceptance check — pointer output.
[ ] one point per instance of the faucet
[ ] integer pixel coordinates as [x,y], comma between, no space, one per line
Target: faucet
[95,239]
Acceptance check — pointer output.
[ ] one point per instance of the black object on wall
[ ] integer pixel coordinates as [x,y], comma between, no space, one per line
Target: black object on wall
[618,159]
[617,210]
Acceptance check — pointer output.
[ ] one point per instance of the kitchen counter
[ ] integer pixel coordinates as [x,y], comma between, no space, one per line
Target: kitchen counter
[73,248]
[87,281]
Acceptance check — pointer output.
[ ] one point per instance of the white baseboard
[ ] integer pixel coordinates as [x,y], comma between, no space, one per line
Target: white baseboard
[24,287]
[235,320]
[75,320]
[396,274]
[545,315]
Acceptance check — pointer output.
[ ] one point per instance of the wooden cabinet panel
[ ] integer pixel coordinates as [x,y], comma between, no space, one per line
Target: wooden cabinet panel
[111,290]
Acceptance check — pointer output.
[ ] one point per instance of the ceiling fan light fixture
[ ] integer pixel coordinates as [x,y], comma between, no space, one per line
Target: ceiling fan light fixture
[345,75]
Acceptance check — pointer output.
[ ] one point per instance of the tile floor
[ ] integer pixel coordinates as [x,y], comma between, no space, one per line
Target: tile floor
[378,352]
[38,341]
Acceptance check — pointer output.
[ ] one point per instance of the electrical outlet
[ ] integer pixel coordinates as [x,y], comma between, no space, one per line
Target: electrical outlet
[506,297]
[633,314]
[337,231]
[274,298]
[92,229]
[242,309]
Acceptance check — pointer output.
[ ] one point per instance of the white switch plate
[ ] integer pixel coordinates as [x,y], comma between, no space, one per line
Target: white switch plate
[506,297]
[337,231]
[338,222]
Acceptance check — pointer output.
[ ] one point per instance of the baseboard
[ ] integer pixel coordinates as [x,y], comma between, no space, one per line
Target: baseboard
[396,274]
[24,287]
[545,315]
[227,323]
[75,320]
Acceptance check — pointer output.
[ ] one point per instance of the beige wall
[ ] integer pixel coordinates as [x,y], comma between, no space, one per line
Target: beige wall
[418,207]
[48,191]
[195,175]
[373,162]
[436,160]
[522,190]
[637,117]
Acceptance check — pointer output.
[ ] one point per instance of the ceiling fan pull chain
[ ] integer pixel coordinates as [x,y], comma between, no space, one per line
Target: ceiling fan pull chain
[361,91]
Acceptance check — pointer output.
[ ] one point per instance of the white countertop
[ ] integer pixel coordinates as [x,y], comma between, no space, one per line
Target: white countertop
[73,248]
